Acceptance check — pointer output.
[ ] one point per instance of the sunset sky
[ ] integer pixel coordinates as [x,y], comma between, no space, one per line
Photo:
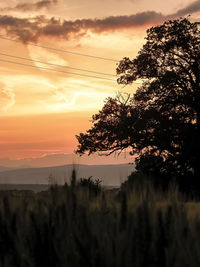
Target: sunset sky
[42,110]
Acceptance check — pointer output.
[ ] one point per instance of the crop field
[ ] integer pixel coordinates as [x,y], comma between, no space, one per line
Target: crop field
[82,224]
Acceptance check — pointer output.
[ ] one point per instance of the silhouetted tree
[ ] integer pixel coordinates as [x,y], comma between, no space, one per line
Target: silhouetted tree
[161,122]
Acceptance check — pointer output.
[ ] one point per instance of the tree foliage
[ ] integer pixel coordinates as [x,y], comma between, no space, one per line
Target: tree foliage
[161,121]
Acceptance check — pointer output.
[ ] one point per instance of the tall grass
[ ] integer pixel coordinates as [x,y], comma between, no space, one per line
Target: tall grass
[78,225]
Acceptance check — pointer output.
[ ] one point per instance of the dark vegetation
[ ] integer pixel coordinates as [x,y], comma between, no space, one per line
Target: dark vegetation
[160,123]
[78,225]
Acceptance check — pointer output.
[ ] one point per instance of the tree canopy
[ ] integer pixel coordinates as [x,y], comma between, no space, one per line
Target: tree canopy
[161,121]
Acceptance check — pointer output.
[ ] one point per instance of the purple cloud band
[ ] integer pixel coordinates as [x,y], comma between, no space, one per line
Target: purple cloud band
[30,29]
[31,6]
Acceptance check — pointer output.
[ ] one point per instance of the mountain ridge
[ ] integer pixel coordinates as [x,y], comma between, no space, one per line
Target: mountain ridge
[63,159]
[110,175]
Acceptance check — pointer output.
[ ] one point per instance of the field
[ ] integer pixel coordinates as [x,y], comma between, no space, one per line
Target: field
[81,224]
[20,187]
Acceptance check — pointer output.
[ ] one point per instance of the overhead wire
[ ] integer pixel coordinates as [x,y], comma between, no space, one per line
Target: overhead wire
[56,65]
[62,71]
[61,50]
[55,70]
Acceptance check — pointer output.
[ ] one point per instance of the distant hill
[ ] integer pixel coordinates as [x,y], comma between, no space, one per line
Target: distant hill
[66,159]
[110,175]
[2,168]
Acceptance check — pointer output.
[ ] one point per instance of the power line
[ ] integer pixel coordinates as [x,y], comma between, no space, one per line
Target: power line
[61,71]
[67,72]
[61,50]
[56,65]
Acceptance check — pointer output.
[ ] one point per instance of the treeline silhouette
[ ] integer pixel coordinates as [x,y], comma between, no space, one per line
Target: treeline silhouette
[160,121]
[82,224]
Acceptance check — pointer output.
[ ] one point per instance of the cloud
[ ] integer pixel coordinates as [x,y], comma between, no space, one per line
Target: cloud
[31,6]
[23,28]
[31,29]
[43,55]
[7,97]
[67,99]
[191,8]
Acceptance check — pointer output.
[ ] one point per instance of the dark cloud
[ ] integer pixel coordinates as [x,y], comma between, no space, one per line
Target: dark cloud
[30,29]
[26,29]
[21,28]
[191,8]
[31,6]
[117,22]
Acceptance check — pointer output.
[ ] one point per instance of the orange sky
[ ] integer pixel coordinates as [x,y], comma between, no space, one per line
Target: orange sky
[41,111]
